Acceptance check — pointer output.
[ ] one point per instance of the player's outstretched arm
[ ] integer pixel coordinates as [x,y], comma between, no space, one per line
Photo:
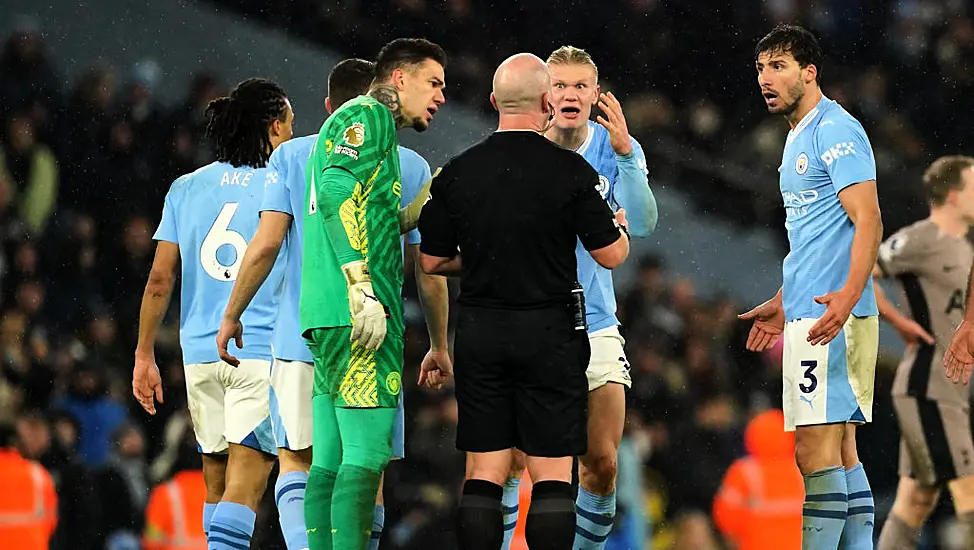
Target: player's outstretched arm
[959,359]
[256,265]
[861,203]
[146,381]
[910,331]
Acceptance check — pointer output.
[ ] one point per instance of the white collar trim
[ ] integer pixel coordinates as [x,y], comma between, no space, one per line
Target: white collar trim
[588,139]
[802,124]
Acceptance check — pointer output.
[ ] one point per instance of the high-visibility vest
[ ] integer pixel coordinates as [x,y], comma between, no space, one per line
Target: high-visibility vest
[175,514]
[759,505]
[28,503]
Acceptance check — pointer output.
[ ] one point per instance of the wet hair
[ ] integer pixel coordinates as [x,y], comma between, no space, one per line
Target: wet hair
[404,53]
[798,41]
[238,123]
[945,175]
[349,79]
[570,55]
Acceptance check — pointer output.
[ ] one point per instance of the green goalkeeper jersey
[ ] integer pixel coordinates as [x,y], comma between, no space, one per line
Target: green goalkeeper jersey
[352,201]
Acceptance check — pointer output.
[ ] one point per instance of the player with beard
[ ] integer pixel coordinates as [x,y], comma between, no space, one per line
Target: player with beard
[826,309]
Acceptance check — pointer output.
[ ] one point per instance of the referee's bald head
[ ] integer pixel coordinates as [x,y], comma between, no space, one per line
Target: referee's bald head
[521,85]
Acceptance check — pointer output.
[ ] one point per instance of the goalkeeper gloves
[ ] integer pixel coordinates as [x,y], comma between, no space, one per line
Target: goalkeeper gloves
[368,314]
[409,216]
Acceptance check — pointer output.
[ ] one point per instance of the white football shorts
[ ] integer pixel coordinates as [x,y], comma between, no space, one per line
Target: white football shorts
[833,383]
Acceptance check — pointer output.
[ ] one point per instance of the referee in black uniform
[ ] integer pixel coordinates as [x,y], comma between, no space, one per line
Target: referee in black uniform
[504,216]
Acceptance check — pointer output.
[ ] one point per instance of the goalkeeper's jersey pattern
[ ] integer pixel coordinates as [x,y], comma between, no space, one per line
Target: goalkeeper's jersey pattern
[360,137]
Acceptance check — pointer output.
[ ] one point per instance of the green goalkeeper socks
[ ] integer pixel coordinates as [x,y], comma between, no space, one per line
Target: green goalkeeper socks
[366,449]
[318,498]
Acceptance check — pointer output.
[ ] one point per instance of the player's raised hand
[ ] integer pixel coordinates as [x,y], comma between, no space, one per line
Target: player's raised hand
[146,383]
[229,328]
[959,359]
[769,323]
[435,370]
[838,307]
[615,122]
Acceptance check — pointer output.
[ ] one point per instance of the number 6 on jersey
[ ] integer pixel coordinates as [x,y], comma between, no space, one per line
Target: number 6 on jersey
[219,235]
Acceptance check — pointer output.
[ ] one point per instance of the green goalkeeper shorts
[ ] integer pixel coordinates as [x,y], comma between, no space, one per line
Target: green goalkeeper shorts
[353,376]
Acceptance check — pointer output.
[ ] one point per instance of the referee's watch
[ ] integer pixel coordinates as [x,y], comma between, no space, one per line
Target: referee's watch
[625,230]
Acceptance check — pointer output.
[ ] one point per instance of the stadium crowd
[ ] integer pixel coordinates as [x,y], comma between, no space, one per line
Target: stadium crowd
[84,167]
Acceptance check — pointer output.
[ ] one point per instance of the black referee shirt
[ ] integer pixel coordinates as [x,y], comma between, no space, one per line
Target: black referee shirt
[512,207]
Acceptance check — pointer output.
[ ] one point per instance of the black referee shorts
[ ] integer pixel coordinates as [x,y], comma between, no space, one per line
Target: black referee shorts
[520,382]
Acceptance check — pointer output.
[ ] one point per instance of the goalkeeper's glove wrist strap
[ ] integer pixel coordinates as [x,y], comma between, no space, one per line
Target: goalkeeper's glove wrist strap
[357,272]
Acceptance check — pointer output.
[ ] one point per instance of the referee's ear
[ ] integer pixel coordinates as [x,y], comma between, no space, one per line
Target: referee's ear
[493,101]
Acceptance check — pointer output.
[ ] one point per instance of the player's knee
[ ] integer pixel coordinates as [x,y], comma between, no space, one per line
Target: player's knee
[518,464]
[294,461]
[374,458]
[600,467]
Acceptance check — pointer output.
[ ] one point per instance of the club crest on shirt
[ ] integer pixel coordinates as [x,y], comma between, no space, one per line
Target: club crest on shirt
[355,134]
[603,186]
[801,164]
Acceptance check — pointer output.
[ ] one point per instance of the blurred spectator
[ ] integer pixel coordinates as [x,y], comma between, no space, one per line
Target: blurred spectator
[79,512]
[28,503]
[28,77]
[123,485]
[31,171]
[99,416]
[173,516]
[759,505]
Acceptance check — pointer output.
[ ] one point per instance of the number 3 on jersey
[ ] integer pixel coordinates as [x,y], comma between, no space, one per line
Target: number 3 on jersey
[219,235]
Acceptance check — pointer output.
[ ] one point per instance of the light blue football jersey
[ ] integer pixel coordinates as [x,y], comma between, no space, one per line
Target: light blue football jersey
[825,153]
[212,215]
[285,193]
[596,281]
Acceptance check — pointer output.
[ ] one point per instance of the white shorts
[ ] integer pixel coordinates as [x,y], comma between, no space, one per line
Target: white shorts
[833,383]
[608,362]
[292,385]
[230,405]
[292,416]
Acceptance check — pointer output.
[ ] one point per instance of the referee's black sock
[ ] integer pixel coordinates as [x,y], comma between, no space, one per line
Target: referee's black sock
[551,518]
[480,521]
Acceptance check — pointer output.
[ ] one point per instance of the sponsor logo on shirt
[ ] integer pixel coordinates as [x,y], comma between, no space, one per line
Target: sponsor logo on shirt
[797,204]
[838,150]
[347,151]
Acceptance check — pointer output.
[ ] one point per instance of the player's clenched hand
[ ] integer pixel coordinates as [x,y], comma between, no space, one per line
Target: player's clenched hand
[838,307]
[435,370]
[769,323]
[146,383]
[615,122]
[229,328]
[959,359]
